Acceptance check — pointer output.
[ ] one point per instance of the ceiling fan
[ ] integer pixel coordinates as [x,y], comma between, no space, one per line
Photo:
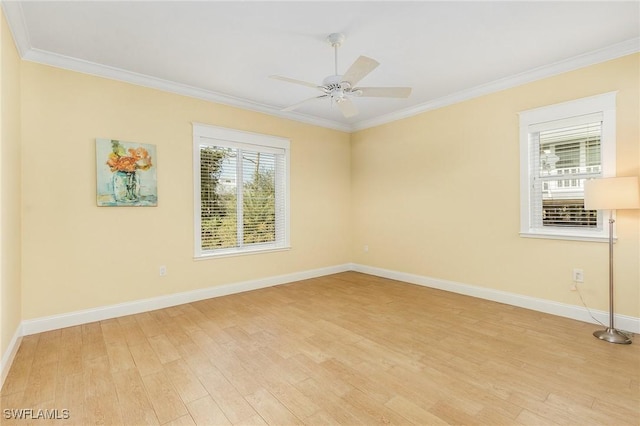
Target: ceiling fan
[340,89]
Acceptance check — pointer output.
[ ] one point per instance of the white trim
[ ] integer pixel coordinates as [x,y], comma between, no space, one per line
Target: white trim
[560,236]
[240,136]
[209,256]
[54,322]
[589,106]
[622,322]
[10,354]
[15,18]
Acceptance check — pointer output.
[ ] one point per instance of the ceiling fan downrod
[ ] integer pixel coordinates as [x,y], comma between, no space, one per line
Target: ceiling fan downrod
[335,40]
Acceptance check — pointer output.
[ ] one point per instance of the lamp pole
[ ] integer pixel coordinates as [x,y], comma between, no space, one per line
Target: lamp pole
[610,334]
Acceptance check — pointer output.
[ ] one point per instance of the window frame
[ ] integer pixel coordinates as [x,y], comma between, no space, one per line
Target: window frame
[604,104]
[204,134]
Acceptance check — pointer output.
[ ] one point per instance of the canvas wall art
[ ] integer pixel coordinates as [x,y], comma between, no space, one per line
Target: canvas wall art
[126,173]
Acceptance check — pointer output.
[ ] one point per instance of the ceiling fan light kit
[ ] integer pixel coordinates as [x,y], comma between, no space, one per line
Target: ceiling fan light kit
[340,89]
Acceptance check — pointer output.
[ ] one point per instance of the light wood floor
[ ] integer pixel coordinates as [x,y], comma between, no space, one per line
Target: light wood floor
[345,349]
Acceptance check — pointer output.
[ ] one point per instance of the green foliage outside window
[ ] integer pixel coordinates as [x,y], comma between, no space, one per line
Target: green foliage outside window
[219,198]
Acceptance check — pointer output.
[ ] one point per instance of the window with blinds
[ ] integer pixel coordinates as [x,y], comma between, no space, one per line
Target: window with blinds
[241,191]
[562,146]
[565,155]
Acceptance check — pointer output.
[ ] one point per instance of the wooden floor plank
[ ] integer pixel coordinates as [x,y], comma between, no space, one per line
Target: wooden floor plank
[101,404]
[413,412]
[185,420]
[120,358]
[148,324]
[112,332]
[270,409]
[145,358]
[164,398]
[184,381]
[70,395]
[135,405]
[41,386]
[205,411]
[234,406]
[163,348]
[334,405]
[48,348]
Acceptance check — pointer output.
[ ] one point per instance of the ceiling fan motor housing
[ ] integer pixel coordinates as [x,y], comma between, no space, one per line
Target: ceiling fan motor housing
[336,88]
[334,82]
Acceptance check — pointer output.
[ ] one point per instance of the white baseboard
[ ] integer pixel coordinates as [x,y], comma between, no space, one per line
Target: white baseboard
[54,322]
[10,354]
[622,322]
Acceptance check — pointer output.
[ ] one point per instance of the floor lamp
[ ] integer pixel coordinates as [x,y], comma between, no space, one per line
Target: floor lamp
[611,194]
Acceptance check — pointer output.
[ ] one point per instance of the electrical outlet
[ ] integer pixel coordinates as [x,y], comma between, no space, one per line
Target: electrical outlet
[366,249]
[163,271]
[578,275]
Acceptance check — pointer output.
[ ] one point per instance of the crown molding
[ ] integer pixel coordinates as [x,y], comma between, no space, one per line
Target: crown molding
[92,68]
[614,51]
[15,18]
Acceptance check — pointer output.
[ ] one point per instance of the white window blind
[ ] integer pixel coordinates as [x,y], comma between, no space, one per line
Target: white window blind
[564,154]
[241,192]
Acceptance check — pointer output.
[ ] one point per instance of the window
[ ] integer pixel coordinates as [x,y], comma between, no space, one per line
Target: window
[561,146]
[241,191]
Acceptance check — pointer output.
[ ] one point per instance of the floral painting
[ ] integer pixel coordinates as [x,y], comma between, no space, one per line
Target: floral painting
[126,173]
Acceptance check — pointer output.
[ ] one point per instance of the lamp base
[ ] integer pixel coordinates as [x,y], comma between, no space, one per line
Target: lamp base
[612,335]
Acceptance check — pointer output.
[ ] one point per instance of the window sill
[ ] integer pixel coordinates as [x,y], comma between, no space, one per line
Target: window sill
[570,237]
[233,252]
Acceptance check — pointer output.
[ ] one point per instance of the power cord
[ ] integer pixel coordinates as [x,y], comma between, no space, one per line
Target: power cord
[587,308]
[626,333]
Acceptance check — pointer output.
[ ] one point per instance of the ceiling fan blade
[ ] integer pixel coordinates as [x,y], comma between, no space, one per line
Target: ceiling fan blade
[383,92]
[294,81]
[299,104]
[347,107]
[360,68]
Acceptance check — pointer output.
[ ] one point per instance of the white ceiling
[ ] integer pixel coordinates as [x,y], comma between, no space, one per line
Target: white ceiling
[225,51]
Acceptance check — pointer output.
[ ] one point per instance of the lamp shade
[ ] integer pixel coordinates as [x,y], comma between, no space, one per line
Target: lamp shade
[612,193]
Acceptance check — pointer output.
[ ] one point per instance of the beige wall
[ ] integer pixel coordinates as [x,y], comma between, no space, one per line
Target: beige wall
[79,256]
[10,190]
[437,195]
[434,195]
